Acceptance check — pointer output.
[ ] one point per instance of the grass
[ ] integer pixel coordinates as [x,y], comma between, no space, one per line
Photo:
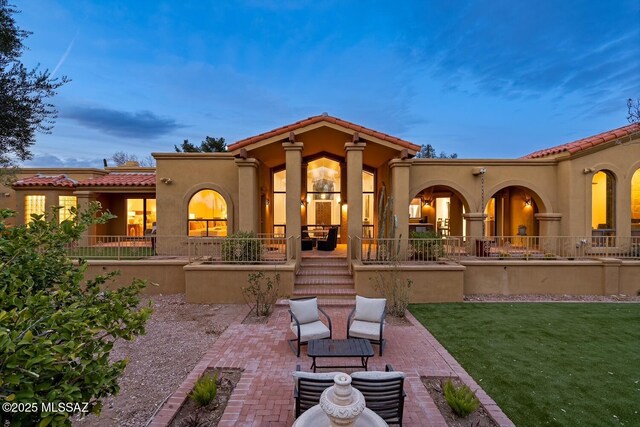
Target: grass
[547,364]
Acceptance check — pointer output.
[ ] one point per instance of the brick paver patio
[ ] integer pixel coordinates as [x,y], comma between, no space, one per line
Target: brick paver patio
[264,395]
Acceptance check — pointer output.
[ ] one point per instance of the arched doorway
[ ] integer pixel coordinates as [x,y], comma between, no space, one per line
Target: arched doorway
[635,204]
[603,204]
[438,210]
[511,211]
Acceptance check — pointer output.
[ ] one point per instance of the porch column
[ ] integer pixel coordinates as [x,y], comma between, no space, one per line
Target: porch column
[354,194]
[293,157]
[248,196]
[549,230]
[84,199]
[474,230]
[400,191]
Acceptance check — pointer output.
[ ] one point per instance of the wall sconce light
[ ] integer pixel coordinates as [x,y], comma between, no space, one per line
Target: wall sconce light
[588,170]
[527,202]
[166,180]
[478,171]
[427,202]
[302,203]
[267,202]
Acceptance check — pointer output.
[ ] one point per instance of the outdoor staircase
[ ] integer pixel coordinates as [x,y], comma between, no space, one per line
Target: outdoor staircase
[328,278]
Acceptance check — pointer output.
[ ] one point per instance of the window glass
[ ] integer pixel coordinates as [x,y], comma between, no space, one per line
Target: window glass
[603,202]
[415,209]
[207,214]
[33,204]
[66,203]
[635,203]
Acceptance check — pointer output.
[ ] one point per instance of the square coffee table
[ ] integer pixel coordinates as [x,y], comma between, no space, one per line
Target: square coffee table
[353,347]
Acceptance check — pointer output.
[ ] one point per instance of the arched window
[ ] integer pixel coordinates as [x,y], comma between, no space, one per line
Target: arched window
[603,202]
[207,214]
[635,204]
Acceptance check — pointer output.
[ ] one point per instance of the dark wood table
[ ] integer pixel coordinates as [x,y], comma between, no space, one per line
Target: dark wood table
[353,347]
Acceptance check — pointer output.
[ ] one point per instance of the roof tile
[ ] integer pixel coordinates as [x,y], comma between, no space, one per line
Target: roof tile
[46,181]
[119,179]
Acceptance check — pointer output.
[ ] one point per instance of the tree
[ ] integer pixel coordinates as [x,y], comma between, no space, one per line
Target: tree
[120,158]
[209,145]
[634,110]
[24,94]
[56,332]
[429,152]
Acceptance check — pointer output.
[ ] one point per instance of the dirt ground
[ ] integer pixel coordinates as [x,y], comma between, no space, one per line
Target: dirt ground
[178,335]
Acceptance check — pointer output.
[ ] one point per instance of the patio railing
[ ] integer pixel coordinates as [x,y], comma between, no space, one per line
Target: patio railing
[387,251]
[264,249]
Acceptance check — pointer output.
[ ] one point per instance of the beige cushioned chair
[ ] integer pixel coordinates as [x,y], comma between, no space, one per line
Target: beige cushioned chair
[366,320]
[305,322]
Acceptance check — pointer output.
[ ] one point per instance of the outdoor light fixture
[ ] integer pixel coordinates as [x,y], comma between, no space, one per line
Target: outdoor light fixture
[527,202]
[267,202]
[166,180]
[302,203]
[478,171]
[427,202]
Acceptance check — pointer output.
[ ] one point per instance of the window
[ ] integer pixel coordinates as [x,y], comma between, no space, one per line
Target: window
[635,204]
[33,205]
[141,216]
[280,202]
[603,204]
[207,215]
[368,196]
[66,203]
[415,209]
[323,192]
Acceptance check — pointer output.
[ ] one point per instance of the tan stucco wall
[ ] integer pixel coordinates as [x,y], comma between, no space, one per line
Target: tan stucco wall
[163,276]
[432,283]
[630,278]
[208,284]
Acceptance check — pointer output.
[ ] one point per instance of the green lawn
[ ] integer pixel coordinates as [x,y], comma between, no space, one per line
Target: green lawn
[547,364]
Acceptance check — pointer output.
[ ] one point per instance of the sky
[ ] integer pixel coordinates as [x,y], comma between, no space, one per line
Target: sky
[483,79]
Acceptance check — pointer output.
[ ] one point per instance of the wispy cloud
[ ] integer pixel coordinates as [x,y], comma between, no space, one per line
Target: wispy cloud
[52,161]
[123,124]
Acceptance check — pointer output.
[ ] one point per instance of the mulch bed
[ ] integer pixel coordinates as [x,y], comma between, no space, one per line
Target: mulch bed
[480,418]
[191,414]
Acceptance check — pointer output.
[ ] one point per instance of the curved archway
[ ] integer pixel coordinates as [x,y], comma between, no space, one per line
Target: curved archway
[438,209]
[207,213]
[603,203]
[511,210]
[635,203]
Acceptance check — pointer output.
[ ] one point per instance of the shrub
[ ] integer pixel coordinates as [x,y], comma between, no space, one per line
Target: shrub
[461,399]
[426,250]
[259,297]
[394,288]
[205,389]
[242,247]
[57,330]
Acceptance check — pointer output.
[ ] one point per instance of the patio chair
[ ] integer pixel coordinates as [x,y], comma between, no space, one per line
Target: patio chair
[383,392]
[305,322]
[308,387]
[306,242]
[368,320]
[330,242]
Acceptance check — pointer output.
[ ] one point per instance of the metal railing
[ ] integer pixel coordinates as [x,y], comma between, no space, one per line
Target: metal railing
[413,250]
[265,249]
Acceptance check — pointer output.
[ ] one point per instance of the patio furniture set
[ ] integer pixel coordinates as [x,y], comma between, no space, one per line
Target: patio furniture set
[383,391]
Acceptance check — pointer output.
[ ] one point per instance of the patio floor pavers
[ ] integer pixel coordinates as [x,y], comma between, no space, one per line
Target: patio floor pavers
[264,395]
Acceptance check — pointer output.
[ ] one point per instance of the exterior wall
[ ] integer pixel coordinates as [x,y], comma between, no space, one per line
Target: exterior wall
[164,277]
[432,283]
[190,173]
[630,278]
[222,284]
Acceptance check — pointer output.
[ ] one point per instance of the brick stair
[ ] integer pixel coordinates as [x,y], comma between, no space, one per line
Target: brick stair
[328,278]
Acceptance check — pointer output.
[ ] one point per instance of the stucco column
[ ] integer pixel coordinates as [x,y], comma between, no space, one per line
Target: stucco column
[354,193]
[248,197]
[549,230]
[84,200]
[293,156]
[400,192]
[474,230]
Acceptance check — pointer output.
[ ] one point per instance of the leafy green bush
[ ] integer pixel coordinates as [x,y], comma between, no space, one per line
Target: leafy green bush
[461,399]
[57,330]
[262,298]
[242,247]
[427,246]
[205,389]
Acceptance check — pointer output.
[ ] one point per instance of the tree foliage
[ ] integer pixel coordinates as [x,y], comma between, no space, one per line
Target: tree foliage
[429,152]
[209,145]
[56,332]
[24,94]
[120,158]
[634,110]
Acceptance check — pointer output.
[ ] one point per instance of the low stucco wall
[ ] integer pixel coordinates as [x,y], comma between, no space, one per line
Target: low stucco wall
[589,277]
[222,284]
[163,276]
[431,283]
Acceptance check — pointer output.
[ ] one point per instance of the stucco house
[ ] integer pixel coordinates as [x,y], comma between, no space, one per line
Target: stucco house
[325,172]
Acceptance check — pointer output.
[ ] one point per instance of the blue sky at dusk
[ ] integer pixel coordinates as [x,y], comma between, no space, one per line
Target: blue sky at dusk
[487,78]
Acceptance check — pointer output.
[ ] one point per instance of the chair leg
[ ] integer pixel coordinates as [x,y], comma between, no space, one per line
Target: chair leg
[382,343]
[296,352]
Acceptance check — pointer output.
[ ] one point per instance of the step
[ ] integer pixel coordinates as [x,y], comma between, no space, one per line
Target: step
[325,281]
[324,301]
[321,272]
[323,292]
[316,263]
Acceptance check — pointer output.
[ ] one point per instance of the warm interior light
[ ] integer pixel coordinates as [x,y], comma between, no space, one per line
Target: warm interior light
[338,198]
[192,216]
[132,213]
[267,202]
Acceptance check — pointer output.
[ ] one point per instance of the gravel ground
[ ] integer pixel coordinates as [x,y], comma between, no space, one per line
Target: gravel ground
[551,298]
[178,335]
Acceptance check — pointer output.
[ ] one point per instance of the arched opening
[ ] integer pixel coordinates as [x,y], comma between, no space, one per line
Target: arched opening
[603,202]
[323,193]
[207,214]
[439,211]
[511,212]
[635,204]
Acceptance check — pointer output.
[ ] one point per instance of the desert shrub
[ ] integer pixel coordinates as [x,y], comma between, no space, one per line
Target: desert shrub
[242,247]
[461,399]
[56,329]
[396,289]
[205,389]
[262,296]
[427,246]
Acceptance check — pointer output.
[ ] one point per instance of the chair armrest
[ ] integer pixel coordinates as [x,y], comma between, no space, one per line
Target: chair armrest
[353,311]
[387,368]
[295,319]
[327,316]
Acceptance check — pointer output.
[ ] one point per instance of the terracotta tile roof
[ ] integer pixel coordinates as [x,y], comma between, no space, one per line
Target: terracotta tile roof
[121,180]
[585,143]
[326,118]
[46,181]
